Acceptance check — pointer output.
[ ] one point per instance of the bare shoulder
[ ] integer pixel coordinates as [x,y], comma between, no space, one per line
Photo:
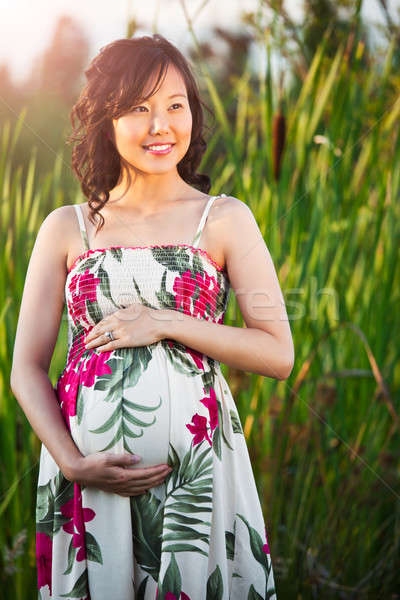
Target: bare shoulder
[229,201]
[237,226]
[60,216]
[43,295]
[227,210]
[59,222]
[57,231]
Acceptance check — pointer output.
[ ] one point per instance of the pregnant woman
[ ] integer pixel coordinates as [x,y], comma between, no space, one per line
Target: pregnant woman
[145,485]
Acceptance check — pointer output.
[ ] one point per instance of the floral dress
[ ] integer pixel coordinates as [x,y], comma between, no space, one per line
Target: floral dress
[200,535]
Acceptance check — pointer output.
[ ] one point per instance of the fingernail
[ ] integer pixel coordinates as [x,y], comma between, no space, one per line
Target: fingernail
[136,458]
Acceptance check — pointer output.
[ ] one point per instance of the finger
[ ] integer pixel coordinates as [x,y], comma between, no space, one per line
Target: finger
[94,332]
[129,466]
[109,345]
[134,490]
[96,335]
[131,494]
[100,328]
[152,483]
[145,473]
[124,460]
[142,482]
[138,476]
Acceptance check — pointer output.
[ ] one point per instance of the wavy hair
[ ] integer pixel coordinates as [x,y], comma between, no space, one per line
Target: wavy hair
[116,79]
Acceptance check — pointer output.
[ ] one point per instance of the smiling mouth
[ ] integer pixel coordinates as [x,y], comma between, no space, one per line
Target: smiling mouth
[159,148]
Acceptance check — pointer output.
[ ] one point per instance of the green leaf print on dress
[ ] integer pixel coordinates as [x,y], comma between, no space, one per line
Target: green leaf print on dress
[261,553]
[124,367]
[188,484]
[147,524]
[188,493]
[123,417]
[80,588]
[50,498]
[171,586]
[215,585]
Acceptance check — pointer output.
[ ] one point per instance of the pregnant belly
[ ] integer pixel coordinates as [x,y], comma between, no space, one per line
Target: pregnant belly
[129,413]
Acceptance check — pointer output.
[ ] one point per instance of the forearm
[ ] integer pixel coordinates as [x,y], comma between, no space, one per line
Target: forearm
[36,396]
[248,349]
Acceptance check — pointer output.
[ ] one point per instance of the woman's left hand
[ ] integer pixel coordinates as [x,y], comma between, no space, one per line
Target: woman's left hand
[135,325]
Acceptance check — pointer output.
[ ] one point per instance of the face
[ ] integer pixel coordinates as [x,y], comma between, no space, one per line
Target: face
[165,118]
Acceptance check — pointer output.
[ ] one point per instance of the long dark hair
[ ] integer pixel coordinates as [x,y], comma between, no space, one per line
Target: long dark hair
[116,79]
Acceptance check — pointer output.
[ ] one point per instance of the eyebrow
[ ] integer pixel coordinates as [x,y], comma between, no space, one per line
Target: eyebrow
[173,96]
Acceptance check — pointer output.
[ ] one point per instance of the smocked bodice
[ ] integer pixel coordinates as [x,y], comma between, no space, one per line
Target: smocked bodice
[180,277]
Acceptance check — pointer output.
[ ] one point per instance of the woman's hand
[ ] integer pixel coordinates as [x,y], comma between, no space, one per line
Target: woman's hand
[135,325]
[116,474]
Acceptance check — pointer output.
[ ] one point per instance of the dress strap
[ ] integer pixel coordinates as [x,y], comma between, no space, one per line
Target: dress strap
[203,220]
[82,226]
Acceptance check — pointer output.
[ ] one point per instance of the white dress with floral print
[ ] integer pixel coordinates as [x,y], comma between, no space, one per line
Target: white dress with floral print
[201,534]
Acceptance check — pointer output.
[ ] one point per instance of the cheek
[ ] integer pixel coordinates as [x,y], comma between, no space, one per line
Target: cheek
[184,127]
[128,132]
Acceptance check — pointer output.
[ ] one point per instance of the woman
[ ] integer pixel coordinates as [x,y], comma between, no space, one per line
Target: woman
[146,292]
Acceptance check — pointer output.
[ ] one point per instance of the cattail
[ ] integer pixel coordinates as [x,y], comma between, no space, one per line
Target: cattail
[278,135]
[278,141]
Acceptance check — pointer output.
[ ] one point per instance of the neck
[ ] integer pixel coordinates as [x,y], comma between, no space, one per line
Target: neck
[147,193]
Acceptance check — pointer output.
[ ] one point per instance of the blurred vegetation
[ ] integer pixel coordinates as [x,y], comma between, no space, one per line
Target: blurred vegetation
[314,150]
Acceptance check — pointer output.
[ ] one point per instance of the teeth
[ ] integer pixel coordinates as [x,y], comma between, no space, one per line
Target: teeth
[164,147]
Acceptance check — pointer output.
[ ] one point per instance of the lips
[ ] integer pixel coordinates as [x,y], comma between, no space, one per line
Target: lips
[159,144]
[159,149]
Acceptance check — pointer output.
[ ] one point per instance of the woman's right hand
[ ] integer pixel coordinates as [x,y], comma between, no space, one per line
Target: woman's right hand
[114,473]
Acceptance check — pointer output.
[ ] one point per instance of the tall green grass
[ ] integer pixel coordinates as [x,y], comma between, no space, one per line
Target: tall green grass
[324,444]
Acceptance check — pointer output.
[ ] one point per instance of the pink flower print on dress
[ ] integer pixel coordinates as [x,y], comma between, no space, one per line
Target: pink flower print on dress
[265,548]
[68,383]
[199,429]
[209,289]
[77,349]
[78,517]
[184,288]
[72,305]
[199,423]
[83,286]
[44,552]
[95,365]
[197,357]
[67,390]
[211,403]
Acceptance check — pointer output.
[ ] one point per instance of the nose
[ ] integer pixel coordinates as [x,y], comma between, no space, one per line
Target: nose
[158,125]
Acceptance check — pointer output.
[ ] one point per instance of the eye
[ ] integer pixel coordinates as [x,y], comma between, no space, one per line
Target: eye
[175,104]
